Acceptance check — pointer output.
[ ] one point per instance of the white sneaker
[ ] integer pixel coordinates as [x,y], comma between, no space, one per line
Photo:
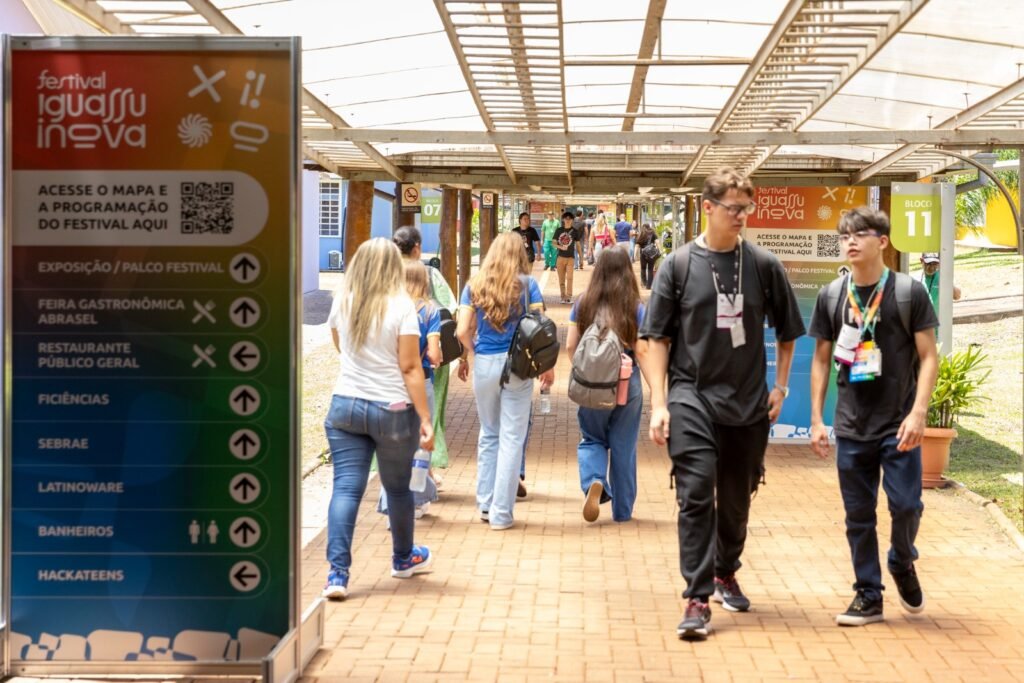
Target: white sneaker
[421,510]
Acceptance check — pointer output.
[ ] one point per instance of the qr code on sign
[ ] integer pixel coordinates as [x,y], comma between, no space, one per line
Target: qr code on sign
[207,208]
[828,246]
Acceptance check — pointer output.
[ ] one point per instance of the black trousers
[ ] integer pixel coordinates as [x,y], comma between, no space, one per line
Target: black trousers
[647,270]
[716,469]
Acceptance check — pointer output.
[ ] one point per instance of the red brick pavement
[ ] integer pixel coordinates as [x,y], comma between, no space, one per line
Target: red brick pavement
[558,599]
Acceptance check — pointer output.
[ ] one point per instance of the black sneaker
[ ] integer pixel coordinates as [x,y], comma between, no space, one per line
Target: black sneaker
[521,491]
[861,611]
[694,625]
[909,588]
[727,592]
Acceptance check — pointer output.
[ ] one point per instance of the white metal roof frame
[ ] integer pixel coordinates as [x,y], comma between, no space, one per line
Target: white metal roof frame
[573,96]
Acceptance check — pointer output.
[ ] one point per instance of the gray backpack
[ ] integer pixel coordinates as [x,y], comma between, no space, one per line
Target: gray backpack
[594,380]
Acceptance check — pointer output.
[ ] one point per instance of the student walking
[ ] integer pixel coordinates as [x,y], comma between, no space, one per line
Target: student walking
[608,437]
[601,237]
[566,239]
[492,303]
[379,404]
[705,323]
[530,238]
[548,228]
[428,316]
[878,326]
[648,256]
[410,243]
[580,227]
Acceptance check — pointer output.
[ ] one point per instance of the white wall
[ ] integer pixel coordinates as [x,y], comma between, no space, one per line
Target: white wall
[16,19]
[309,261]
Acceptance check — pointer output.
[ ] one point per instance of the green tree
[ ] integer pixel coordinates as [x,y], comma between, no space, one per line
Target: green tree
[970,206]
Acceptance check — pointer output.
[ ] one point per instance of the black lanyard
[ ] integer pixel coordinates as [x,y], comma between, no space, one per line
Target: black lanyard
[730,296]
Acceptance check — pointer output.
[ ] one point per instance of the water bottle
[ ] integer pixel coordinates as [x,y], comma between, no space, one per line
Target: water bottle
[420,468]
[545,401]
[625,373]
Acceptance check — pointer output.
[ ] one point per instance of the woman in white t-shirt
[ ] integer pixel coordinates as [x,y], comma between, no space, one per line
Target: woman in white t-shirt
[379,404]
[492,303]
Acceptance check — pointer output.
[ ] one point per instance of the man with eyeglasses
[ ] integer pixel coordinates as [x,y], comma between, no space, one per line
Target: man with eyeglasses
[878,327]
[705,324]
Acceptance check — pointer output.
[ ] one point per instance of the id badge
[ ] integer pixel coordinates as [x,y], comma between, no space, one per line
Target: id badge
[868,363]
[849,337]
[738,334]
[729,313]
[844,356]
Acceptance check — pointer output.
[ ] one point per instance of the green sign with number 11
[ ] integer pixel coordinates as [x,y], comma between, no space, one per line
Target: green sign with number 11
[916,217]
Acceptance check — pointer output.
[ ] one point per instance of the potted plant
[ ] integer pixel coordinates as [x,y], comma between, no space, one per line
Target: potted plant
[957,388]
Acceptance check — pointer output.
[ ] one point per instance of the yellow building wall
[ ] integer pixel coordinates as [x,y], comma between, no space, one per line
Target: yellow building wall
[999,228]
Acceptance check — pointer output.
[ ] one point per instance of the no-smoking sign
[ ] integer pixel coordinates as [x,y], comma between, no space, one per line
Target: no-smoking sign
[410,198]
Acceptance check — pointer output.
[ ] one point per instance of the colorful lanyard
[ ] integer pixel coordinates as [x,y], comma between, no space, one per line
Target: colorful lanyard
[867,317]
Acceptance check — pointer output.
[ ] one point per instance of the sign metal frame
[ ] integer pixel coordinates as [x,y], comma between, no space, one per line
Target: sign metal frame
[305,629]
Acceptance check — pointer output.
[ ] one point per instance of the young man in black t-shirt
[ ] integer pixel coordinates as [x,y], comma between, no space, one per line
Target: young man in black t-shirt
[887,366]
[705,328]
[531,240]
[565,240]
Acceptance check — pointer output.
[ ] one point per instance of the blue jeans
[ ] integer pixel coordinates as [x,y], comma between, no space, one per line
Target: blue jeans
[429,494]
[614,430]
[355,428]
[504,421]
[860,463]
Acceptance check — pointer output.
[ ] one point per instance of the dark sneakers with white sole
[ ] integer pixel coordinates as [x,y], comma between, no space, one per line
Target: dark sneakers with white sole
[909,588]
[862,611]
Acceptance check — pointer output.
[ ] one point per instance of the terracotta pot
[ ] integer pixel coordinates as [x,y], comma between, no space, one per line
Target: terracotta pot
[935,456]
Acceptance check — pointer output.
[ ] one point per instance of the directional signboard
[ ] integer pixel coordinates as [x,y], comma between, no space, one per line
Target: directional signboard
[916,216]
[151,322]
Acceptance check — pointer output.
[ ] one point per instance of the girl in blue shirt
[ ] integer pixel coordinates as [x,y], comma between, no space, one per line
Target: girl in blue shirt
[492,303]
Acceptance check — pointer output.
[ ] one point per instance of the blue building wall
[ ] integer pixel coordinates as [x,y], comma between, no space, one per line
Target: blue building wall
[380,224]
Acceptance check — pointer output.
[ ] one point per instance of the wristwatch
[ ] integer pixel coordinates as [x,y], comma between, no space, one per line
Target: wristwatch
[784,390]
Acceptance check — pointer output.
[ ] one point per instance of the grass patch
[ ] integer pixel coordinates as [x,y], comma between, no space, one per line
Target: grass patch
[319,373]
[990,442]
[980,463]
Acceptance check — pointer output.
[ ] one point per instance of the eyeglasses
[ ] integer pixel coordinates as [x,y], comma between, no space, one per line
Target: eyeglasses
[845,237]
[735,210]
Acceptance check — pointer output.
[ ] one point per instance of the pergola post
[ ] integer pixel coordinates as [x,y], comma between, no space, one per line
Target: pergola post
[359,216]
[465,235]
[891,256]
[488,223]
[447,234]
[692,209]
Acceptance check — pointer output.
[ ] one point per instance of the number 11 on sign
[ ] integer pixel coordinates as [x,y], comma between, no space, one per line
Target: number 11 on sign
[926,217]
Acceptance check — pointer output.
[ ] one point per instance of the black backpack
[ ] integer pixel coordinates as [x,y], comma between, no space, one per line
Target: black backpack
[534,347]
[451,347]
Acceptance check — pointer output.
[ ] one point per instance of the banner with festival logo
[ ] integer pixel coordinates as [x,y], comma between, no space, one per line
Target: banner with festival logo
[798,225]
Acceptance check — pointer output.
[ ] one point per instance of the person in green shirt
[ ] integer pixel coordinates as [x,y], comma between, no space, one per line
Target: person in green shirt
[929,277]
[548,228]
[410,241]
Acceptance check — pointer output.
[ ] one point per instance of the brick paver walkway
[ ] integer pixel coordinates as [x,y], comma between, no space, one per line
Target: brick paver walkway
[558,599]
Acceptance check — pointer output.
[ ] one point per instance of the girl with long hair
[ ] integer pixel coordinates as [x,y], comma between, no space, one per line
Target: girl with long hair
[492,303]
[600,236]
[417,286]
[607,448]
[379,404]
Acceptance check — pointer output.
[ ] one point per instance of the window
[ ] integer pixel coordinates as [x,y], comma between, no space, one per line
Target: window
[330,208]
